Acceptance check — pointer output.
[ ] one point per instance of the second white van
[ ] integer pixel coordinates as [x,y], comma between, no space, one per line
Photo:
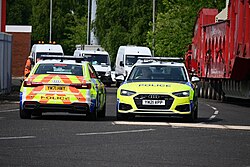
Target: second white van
[126,57]
[100,60]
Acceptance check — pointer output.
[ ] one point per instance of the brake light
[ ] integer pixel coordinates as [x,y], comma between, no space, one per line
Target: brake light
[32,84]
[82,86]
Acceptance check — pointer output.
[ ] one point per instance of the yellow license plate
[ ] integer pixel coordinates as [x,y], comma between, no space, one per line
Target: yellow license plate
[56,88]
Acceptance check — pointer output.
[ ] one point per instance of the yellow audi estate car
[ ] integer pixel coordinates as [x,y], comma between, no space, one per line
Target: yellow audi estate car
[157,87]
[60,84]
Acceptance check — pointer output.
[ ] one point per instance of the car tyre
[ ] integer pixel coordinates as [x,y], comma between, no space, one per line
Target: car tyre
[24,114]
[92,116]
[193,116]
[121,116]
[102,113]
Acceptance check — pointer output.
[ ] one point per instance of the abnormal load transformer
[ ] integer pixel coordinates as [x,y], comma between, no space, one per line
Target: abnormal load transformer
[220,51]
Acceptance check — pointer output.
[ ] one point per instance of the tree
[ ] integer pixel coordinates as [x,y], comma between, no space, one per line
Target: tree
[174,25]
[66,14]
[120,22]
[18,12]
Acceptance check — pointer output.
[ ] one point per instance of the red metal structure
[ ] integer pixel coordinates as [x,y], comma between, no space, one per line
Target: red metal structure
[3,15]
[220,52]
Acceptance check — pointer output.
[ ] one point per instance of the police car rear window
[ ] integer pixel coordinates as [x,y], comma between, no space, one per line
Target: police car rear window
[57,68]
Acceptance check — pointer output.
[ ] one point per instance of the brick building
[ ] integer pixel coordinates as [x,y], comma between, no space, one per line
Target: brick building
[21,44]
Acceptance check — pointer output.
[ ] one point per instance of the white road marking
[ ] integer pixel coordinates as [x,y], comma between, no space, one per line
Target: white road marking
[9,110]
[114,132]
[216,112]
[188,125]
[213,108]
[18,137]
[141,123]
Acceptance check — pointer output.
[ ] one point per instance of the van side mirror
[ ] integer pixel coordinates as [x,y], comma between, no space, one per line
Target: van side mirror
[195,79]
[121,64]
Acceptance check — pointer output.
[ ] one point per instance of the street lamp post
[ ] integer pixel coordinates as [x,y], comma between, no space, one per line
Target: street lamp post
[50,21]
[153,41]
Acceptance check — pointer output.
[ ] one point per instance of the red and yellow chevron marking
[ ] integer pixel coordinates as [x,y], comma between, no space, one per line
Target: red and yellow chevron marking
[69,96]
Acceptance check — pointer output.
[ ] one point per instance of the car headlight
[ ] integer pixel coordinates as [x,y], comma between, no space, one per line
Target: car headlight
[182,94]
[127,92]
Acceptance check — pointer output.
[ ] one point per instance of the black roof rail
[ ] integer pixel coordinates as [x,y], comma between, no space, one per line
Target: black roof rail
[161,59]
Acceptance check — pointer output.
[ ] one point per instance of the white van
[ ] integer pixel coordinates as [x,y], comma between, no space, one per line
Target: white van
[100,60]
[126,57]
[45,49]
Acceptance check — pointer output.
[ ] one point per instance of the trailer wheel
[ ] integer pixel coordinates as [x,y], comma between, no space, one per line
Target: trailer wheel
[213,94]
[198,89]
[201,92]
[209,91]
[205,92]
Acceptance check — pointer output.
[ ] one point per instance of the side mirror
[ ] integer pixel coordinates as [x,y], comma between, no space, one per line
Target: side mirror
[121,64]
[120,77]
[195,79]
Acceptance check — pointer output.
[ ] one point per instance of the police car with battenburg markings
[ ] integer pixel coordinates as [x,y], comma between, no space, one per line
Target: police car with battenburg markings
[62,84]
[157,86]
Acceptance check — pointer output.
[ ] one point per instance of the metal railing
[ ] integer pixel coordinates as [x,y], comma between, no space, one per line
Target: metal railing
[5,63]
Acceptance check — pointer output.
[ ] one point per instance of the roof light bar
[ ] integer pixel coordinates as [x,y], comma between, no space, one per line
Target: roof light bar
[62,57]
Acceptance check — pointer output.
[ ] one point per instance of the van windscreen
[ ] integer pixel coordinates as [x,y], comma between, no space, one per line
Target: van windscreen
[132,59]
[97,59]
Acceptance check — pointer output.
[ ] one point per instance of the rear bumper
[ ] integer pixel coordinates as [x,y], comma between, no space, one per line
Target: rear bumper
[78,108]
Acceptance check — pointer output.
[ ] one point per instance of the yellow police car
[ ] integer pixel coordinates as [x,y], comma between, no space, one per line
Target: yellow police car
[62,83]
[157,86]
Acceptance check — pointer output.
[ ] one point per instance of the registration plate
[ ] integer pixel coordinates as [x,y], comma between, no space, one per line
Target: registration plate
[56,88]
[153,102]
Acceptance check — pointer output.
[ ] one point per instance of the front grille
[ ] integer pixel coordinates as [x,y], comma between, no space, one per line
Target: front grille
[138,101]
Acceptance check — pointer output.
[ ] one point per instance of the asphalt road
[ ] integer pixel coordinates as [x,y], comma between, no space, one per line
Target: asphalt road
[220,138]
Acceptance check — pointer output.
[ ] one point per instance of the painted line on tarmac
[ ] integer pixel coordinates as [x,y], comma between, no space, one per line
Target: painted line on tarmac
[216,112]
[17,137]
[183,125]
[115,132]
[9,110]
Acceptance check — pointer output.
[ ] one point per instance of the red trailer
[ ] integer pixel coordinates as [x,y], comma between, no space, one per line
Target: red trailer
[220,51]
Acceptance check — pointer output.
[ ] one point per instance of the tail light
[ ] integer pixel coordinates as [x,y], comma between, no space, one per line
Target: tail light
[32,84]
[82,85]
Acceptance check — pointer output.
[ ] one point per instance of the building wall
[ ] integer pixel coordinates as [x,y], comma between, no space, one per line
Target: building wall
[20,52]
[21,44]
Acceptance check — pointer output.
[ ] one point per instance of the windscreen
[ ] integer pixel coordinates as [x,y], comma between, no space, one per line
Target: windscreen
[97,59]
[57,68]
[132,59]
[158,73]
